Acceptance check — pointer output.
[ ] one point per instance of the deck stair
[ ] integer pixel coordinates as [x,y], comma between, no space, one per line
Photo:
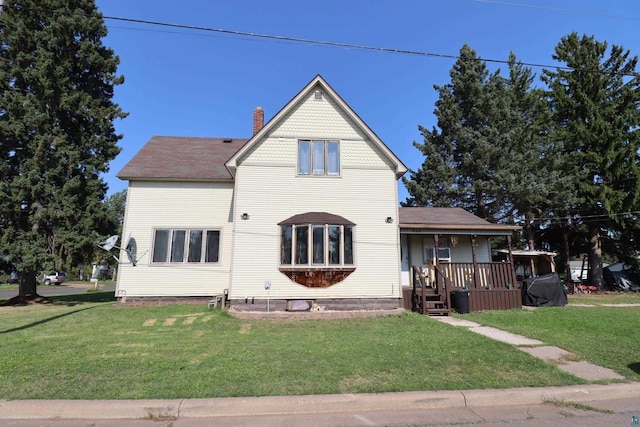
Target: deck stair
[432,300]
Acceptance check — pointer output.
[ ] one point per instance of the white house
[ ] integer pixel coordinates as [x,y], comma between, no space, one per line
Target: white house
[305,209]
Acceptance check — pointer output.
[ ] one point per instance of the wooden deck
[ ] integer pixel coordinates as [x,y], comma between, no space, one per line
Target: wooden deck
[482,275]
[490,286]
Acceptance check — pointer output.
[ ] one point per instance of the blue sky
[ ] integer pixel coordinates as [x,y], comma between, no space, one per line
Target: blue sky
[195,83]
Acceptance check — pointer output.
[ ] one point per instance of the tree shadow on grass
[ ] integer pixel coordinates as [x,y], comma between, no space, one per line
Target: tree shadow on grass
[87,297]
[67,299]
[40,322]
[70,301]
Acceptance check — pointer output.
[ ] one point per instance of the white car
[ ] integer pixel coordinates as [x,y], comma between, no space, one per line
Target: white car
[54,278]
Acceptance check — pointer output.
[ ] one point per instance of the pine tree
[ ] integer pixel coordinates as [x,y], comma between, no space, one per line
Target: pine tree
[490,152]
[460,154]
[533,172]
[56,132]
[596,114]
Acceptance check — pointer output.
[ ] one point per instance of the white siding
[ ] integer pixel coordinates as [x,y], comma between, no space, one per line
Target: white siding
[322,120]
[270,191]
[176,205]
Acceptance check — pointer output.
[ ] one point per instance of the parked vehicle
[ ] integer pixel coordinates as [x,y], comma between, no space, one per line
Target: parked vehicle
[54,278]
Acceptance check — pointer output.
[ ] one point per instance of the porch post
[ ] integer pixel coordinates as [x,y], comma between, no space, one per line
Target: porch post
[409,259]
[514,279]
[475,261]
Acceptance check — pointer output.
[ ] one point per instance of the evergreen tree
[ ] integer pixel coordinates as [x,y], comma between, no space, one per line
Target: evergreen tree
[595,107]
[535,174]
[524,166]
[460,154]
[56,132]
[490,153]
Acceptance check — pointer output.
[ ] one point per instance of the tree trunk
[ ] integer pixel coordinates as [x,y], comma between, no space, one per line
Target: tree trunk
[595,257]
[28,284]
[528,231]
[567,250]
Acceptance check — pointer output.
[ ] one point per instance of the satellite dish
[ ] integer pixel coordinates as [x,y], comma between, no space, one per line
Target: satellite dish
[108,244]
[130,250]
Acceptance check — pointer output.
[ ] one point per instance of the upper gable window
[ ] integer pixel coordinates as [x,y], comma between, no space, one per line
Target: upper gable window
[318,157]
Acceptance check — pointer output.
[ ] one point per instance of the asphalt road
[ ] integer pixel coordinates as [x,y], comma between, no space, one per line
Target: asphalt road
[64,289]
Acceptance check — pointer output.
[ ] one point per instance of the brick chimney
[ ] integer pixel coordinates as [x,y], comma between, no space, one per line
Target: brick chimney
[258,119]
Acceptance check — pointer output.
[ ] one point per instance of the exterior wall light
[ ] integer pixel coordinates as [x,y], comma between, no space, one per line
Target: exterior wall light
[244,216]
[389,220]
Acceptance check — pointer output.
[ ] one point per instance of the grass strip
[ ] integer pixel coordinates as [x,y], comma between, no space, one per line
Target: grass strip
[576,405]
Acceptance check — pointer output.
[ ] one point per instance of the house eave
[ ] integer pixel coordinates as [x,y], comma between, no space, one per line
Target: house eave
[174,179]
[487,230]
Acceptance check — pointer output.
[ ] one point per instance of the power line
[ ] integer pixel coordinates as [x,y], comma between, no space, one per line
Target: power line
[346,45]
[337,44]
[557,9]
[584,218]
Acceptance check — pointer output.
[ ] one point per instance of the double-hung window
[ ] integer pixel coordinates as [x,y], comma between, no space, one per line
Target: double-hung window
[183,245]
[318,157]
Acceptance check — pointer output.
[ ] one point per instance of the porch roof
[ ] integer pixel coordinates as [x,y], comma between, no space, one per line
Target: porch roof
[422,220]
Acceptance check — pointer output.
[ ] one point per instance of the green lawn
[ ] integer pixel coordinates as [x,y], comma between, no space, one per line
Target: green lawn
[605,298]
[78,348]
[606,336]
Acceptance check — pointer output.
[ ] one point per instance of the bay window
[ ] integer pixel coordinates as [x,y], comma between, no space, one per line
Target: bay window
[331,245]
[316,249]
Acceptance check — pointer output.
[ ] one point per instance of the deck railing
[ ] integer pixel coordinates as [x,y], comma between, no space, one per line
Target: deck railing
[485,275]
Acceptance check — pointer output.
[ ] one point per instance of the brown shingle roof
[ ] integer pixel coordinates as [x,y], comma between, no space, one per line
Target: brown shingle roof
[182,158]
[446,218]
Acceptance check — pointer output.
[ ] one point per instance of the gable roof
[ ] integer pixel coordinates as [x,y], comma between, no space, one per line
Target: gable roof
[318,81]
[449,219]
[182,158]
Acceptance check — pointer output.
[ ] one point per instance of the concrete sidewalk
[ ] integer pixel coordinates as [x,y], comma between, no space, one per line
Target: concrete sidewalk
[561,358]
[316,404]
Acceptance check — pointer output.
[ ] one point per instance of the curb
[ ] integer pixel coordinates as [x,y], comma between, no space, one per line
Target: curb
[309,404]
